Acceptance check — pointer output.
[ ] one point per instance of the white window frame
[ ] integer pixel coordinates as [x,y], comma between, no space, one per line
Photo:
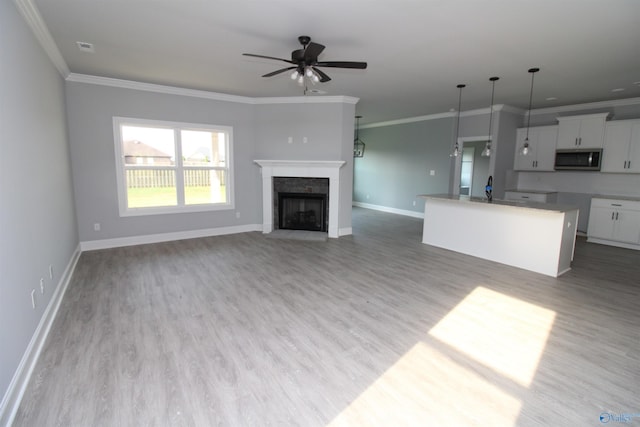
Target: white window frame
[177,127]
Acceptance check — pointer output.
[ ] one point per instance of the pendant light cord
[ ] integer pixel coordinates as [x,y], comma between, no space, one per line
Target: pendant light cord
[460,86]
[493,90]
[533,72]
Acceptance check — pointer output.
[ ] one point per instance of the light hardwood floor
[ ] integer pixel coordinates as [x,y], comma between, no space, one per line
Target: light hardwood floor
[374,329]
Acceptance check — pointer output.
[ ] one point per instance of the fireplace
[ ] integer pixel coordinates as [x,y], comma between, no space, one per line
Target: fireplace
[328,169]
[300,203]
[302,211]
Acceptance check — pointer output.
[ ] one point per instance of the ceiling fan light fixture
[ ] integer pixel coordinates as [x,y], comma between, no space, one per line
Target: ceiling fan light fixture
[294,75]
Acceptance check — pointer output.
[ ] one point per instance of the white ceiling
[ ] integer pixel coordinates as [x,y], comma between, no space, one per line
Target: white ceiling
[417,50]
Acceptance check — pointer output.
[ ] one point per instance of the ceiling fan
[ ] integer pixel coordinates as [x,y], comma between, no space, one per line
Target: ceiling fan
[305,62]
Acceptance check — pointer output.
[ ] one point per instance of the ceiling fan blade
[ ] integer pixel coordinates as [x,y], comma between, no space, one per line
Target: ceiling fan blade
[312,51]
[342,64]
[273,73]
[323,76]
[268,57]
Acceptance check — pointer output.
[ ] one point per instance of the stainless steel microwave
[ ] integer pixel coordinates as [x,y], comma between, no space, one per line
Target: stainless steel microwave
[584,160]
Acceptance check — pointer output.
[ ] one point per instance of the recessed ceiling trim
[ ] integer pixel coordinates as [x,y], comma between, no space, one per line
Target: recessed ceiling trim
[173,90]
[34,20]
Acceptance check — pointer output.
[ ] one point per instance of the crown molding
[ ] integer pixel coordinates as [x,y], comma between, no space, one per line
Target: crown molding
[173,90]
[306,100]
[587,106]
[34,20]
[151,87]
[476,112]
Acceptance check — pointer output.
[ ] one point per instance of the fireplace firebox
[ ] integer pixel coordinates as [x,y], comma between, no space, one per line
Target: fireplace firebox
[302,211]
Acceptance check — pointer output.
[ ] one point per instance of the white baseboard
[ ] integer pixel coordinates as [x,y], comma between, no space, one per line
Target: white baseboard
[389,210]
[20,380]
[92,245]
[346,231]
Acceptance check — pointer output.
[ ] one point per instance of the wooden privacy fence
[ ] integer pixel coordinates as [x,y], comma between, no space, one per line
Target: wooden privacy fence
[147,178]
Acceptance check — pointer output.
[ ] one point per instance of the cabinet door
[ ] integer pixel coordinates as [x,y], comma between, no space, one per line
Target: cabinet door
[601,222]
[634,149]
[591,132]
[546,147]
[528,162]
[627,226]
[568,132]
[615,154]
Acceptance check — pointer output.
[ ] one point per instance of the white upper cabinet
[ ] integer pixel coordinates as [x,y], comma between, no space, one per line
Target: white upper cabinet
[542,149]
[586,131]
[621,151]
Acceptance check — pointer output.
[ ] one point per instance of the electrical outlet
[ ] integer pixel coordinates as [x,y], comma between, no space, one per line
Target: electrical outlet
[432,172]
[304,140]
[238,215]
[96,226]
[33,299]
[367,196]
[414,203]
[50,271]
[290,140]
[41,285]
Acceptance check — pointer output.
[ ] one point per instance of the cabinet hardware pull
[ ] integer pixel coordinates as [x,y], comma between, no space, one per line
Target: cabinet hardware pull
[629,164]
[613,214]
[625,165]
[616,216]
[616,204]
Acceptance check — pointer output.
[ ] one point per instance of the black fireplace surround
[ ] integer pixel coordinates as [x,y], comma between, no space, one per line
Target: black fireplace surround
[301,203]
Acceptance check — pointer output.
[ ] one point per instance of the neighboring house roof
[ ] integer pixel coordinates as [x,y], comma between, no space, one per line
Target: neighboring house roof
[135,148]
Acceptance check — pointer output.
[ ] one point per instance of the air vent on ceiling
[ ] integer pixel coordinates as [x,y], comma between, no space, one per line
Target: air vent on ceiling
[85,47]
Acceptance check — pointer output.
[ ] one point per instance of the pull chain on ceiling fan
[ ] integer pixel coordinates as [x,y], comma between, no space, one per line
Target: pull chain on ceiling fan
[305,63]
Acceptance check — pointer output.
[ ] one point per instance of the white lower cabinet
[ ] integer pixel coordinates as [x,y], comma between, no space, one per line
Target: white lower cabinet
[614,222]
[531,196]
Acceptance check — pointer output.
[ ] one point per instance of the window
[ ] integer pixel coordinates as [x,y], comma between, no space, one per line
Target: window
[165,167]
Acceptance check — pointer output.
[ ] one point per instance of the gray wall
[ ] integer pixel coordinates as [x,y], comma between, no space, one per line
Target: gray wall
[397,161]
[259,132]
[328,128]
[91,109]
[37,219]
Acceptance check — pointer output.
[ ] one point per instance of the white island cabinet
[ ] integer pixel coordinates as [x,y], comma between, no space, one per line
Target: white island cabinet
[534,236]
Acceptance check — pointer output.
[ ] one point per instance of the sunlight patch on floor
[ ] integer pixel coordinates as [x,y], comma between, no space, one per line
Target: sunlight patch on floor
[427,388]
[503,333]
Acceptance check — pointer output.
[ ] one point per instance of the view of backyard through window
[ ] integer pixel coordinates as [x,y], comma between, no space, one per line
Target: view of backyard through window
[173,166]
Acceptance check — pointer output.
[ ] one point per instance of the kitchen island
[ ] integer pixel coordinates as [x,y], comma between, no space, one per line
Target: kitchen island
[538,237]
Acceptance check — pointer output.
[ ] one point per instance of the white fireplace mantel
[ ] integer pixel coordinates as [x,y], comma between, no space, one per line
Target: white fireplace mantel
[303,169]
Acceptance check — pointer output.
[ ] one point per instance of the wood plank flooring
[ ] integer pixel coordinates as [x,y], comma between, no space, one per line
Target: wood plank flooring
[374,329]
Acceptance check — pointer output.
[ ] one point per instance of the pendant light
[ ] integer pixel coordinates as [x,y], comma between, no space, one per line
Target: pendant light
[487,148]
[358,145]
[456,147]
[525,147]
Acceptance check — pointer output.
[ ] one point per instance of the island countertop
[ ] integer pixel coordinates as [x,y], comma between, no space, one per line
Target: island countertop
[500,202]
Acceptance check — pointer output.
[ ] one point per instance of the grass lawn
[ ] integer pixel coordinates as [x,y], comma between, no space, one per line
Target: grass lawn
[167,196]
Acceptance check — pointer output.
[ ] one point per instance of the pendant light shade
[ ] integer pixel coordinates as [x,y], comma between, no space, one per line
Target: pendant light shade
[456,147]
[487,148]
[358,145]
[525,147]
